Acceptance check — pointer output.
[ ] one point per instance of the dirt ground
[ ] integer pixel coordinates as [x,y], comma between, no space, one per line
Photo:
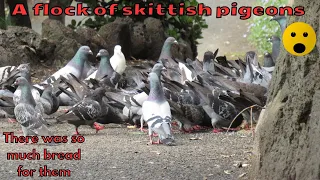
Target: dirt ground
[117,152]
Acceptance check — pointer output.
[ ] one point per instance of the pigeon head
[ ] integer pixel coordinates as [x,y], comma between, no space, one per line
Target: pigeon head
[158,68]
[278,18]
[85,50]
[267,54]
[102,53]
[24,67]
[208,56]
[251,56]
[21,81]
[171,40]
[117,49]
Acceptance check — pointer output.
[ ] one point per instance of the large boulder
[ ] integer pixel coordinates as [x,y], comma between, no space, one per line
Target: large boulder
[139,41]
[24,45]
[66,39]
[117,33]
[287,134]
[183,50]
[155,37]
[92,39]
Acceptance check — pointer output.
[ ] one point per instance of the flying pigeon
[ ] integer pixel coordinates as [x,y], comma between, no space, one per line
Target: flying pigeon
[118,61]
[156,112]
[27,115]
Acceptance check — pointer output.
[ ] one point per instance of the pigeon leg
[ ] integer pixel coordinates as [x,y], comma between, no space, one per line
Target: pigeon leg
[155,135]
[11,120]
[97,127]
[217,130]
[197,127]
[150,139]
[141,125]
[77,132]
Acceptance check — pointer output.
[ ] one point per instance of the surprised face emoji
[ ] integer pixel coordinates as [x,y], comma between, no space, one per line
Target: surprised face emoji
[299,39]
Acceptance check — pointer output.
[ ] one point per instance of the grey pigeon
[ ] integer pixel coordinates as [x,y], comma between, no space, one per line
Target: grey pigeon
[282,21]
[49,100]
[86,111]
[268,61]
[156,112]
[208,58]
[276,42]
[105,73]
[173,70]
[29,118]
[78,66]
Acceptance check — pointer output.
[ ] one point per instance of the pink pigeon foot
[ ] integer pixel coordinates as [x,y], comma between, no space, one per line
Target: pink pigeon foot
[98,127]
[77,132]
[143,130]
[216,130]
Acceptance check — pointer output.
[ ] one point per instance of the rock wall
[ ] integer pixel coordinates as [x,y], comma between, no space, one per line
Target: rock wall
[287,135]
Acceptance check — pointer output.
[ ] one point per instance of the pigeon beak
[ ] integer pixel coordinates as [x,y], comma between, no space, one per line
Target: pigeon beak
[98,55]
[175,42]
[90,52]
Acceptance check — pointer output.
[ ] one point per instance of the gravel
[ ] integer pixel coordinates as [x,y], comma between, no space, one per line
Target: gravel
[117,152]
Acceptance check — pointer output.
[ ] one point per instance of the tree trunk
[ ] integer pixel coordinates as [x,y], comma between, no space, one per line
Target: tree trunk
[2,15]
[287,141]
[60,3]
[19,20]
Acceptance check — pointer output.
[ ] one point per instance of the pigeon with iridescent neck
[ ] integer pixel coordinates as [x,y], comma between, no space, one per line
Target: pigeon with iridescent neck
[29,118]
[157,113]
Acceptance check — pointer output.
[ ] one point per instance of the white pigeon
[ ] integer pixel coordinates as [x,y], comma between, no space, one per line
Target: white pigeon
[156,112]
[118,61]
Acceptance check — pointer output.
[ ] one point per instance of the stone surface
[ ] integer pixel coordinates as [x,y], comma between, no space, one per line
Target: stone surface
[117,33]
[66,40]
[156,37]
[287,134]
[23,45]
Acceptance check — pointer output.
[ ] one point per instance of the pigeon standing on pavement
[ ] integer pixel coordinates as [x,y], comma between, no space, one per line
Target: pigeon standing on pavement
[29,118]
[156,112]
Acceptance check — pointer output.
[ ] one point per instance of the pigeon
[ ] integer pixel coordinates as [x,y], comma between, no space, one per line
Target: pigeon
[268,61]
[118,61]
[24,70]
[276,42]
[173,70]
[27,115]
[208,58]
[282,20]
[5,72]
[86,111]
[78,66]
[49,101]
[105,73]
[156,112]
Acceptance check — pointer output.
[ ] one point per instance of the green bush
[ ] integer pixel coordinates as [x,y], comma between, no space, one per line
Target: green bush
[261,28]
[186,27]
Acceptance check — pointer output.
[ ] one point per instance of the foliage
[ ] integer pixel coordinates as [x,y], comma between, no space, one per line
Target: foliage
[262,28]
[186,27]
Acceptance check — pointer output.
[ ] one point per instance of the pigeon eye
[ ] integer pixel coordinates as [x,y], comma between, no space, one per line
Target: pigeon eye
[305,34]
[293,34]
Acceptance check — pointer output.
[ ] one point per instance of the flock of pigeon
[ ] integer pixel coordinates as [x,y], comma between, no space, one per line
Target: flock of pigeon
[188,94]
